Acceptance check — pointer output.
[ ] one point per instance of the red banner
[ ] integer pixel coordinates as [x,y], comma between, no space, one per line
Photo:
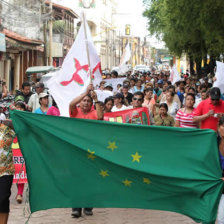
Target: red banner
[19,163]
[133,116]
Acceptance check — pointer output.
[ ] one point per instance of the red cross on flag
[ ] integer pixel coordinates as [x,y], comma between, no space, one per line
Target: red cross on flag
[74,76]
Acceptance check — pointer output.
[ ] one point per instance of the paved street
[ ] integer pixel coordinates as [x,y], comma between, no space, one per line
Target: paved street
[101,216]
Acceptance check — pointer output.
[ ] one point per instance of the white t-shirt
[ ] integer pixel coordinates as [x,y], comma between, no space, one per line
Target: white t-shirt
[115,109]
[34,102]
[2,117]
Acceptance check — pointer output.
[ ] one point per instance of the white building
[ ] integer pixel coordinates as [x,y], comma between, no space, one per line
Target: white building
[100,17]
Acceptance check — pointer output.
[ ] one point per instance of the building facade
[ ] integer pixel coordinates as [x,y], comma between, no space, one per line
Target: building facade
[20,26]
[100,18]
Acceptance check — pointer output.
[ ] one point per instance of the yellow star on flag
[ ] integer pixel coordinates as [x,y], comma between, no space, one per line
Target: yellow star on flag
[112,146]
[146,180]
[127,183]
[90,155]
[136,157]
[104,173]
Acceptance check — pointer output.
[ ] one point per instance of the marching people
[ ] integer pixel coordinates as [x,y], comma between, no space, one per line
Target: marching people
[20,105]
[169,113]
[6,168]
[210,110]
[108,104]
[149,100]
[34,101]
[119,104]
[173,107]
[85,111]
[53,110]
[127,95]
[163,118]
[184,117]
[26,93]
[44,104]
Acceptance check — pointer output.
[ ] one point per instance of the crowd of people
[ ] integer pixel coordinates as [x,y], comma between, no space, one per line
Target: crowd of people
[190,103]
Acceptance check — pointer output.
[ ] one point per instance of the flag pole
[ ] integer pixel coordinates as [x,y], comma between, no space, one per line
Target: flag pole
[87,47]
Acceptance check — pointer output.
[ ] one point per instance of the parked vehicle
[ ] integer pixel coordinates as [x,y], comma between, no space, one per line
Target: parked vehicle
[141,68]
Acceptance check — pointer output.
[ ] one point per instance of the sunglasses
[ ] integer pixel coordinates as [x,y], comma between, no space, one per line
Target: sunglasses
[138,99]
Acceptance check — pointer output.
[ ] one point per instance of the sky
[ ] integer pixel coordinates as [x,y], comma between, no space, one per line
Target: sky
[133,15]
[128,12]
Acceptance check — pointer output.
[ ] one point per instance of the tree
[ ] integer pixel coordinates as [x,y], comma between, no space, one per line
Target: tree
[185,26]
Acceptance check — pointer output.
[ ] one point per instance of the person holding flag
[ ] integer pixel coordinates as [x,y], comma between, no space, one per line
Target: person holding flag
[85,111]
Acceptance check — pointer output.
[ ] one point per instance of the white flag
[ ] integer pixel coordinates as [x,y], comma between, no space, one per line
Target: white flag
[174,75]
[73,77]
[123,67]
[219,76]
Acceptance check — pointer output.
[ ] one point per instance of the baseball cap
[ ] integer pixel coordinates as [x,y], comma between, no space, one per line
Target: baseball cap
[107,84]
[160,81]
[215,93]
[42,95]
[19,98]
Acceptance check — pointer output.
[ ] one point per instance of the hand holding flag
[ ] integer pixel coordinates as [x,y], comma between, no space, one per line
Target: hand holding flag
[74,76]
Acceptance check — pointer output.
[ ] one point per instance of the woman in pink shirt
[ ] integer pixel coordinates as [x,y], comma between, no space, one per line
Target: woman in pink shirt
[184,116]
[53,110]
[149,100]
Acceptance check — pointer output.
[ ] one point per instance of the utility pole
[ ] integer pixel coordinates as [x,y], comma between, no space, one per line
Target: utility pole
[43,11]
[50,36]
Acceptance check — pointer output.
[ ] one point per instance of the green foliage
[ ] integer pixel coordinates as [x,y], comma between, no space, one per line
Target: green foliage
[192,27]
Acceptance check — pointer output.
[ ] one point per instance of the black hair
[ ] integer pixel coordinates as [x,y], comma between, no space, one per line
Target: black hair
[108,99]
[114,73]
[171,93]
[221,121]
[100,103]
[182,82]
[54,103]
[139,93]
[192,88]
[90,97]
[169,83]
[26,84]
[42,98]
[133,79]
[148,89]
[164,105]
[20,104]
[192,95]
[171,87]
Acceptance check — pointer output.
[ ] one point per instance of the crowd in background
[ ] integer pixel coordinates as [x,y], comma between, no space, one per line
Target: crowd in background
[192,102]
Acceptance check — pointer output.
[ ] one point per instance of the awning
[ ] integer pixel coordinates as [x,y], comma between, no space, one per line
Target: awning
[40,69]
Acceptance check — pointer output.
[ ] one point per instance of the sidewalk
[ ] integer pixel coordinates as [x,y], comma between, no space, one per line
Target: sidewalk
[101,216]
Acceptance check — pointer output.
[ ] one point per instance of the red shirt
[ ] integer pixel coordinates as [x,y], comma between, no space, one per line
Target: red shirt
[77,113]
[203,108]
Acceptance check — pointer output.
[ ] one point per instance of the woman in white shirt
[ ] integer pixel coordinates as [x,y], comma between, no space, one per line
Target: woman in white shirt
[119,103]
[173,106]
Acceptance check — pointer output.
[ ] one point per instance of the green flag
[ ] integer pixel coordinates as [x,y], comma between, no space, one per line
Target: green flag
[87,163]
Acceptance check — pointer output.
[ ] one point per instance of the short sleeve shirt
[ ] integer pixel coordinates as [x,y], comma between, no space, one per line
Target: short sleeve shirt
[186,120]
[77,113]
[168,121]
[39,111]
[203,108]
